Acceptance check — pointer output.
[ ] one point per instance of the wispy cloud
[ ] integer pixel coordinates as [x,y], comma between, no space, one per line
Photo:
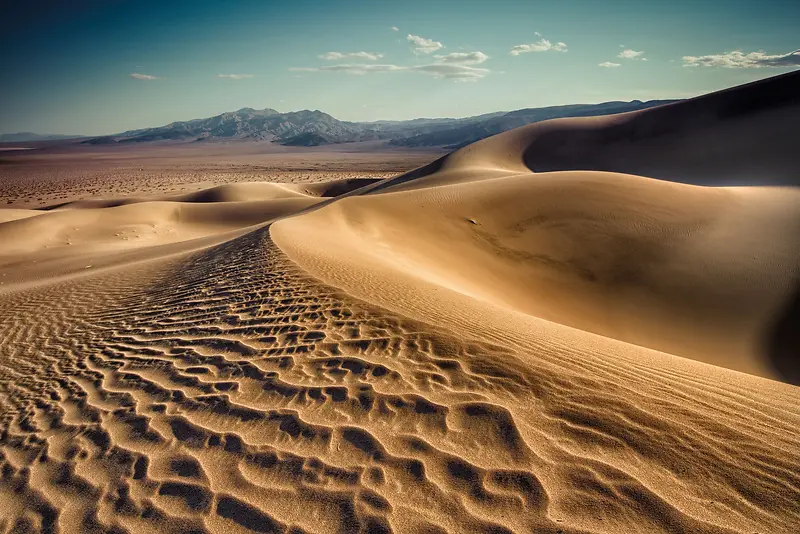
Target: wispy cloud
[234,76]
[542,45]
[608,65]
[137,76]
[631,54]
[395,29]
[467,58]
[338,56]
[420,45]
[740,60]
[456,72]
[460,73]
[350,68]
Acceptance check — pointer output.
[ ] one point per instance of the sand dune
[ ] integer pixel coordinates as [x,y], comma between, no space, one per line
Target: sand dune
[15,214]
[481,345]
[70,237]
[707,140]
[93,234]
[677,268]
[699,272]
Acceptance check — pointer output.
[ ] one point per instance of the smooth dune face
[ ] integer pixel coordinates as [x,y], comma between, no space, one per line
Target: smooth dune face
[15,214]
[676,268]
[474,346]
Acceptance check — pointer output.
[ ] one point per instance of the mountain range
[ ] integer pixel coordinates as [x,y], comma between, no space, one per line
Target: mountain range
[315,128]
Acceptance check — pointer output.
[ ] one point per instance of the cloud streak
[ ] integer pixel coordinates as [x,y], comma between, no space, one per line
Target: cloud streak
[350,68]
[740,60]
[234,76]
[456,72]
[466,58]
[138,76]
[338,56]
[542,45]
[461,73]
[608,65]
[420,45]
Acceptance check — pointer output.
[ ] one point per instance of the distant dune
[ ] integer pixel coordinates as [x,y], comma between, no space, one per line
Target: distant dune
[561,328]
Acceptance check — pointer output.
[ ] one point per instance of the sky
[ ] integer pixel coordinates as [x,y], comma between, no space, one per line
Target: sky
[96,67]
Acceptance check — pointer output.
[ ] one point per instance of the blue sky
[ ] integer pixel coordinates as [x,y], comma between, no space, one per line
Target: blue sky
[95,67]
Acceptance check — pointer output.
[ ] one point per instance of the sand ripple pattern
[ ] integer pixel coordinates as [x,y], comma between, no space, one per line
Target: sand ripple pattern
[228,391]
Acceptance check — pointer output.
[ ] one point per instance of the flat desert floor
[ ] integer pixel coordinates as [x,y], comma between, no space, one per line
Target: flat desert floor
[578,326]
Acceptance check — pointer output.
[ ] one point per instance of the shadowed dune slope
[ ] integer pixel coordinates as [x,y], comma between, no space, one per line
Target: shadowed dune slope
[741,136]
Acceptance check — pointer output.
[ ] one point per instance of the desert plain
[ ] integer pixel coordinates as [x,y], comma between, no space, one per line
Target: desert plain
[586,325]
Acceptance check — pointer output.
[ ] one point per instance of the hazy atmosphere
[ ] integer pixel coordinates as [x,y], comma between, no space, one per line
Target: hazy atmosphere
[101,67]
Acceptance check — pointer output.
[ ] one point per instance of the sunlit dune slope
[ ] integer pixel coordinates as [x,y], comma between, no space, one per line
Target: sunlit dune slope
[701,272]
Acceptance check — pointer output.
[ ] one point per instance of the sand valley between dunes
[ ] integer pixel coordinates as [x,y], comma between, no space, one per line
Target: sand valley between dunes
[583,325]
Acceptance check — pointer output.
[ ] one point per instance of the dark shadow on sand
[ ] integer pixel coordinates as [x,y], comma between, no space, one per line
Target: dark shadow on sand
[783,341]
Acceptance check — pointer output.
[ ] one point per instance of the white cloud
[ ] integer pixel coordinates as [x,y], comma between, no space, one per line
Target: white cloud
[422,45]
[467,58]
[137,76]
[542,45]
[337,56]
[235,76]
[395,29]
[631,54]
[608,65]
[455,72]
[740,60]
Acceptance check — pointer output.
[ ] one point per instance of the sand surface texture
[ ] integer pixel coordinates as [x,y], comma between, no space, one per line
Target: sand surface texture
[560,329]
